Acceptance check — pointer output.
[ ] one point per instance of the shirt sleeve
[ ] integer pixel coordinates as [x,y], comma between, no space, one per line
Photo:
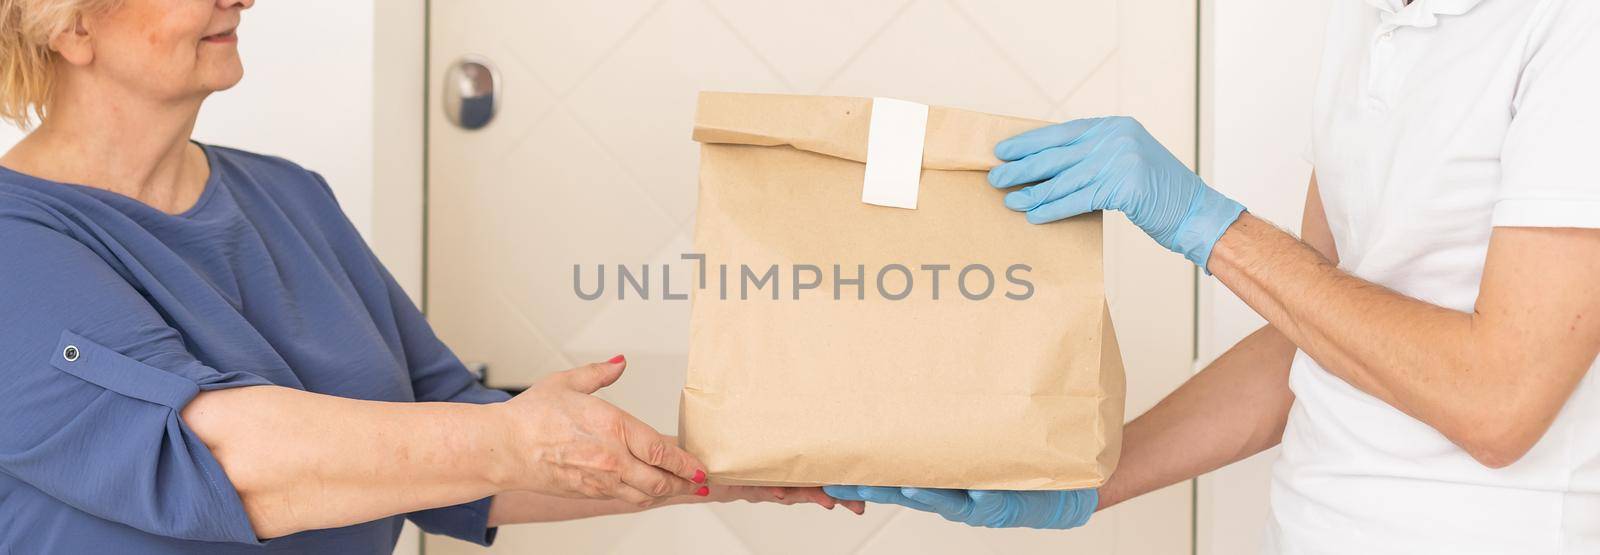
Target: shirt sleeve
[1548,176]
[93,380]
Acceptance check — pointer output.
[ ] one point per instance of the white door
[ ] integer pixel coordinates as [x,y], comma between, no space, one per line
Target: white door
[588,161]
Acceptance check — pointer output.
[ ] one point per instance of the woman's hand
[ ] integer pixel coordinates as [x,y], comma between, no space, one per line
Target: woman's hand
[566,442]
[1113,164]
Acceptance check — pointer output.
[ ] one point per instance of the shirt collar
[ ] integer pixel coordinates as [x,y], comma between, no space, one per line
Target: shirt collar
[1421,13]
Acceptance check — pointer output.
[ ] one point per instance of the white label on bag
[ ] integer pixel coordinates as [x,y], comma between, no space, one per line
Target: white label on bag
[894,153]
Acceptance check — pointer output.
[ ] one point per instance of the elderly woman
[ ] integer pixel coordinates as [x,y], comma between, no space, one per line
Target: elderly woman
[200,354]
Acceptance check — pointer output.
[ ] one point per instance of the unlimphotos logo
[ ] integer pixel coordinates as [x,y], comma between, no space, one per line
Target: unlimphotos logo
[894,282]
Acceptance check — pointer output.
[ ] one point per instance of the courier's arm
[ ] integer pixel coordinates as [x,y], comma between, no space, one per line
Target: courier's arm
[1491,380]
[1233,409]
[1533,334]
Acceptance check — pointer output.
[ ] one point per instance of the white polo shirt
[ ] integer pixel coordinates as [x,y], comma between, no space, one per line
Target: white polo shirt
[1435,122]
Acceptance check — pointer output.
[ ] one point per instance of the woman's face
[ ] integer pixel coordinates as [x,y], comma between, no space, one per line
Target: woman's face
[168,49]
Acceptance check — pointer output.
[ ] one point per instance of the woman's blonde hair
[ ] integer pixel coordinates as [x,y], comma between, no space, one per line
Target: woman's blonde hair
[27,64]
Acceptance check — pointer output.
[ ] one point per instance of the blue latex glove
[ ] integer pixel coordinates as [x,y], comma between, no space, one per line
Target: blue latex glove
[1113,164]
[987,508]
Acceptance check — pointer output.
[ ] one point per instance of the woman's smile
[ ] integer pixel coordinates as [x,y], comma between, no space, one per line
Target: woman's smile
[229,36]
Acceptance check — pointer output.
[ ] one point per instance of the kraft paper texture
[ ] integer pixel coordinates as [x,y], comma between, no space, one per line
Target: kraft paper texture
[950,393]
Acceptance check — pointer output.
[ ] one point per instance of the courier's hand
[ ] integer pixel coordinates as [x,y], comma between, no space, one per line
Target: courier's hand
[986,508]
[1113,164]
[566,442]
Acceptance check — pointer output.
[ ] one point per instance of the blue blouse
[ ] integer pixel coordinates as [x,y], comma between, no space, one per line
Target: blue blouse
[113,315]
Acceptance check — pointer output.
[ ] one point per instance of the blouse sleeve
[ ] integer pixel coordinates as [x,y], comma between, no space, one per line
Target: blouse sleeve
[437,375]
[93,381]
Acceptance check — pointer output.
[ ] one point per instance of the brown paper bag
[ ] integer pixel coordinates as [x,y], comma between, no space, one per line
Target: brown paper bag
[789,386]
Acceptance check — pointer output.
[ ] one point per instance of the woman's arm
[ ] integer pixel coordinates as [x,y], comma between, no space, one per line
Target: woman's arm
[1491,380]
[106,410]
[304,461]
[1233,409]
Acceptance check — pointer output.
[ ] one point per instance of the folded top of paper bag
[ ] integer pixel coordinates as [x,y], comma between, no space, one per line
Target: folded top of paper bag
[838,126]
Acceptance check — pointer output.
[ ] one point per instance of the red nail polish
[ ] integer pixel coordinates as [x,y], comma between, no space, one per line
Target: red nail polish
[616,359]
[699,477]
[703,491]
